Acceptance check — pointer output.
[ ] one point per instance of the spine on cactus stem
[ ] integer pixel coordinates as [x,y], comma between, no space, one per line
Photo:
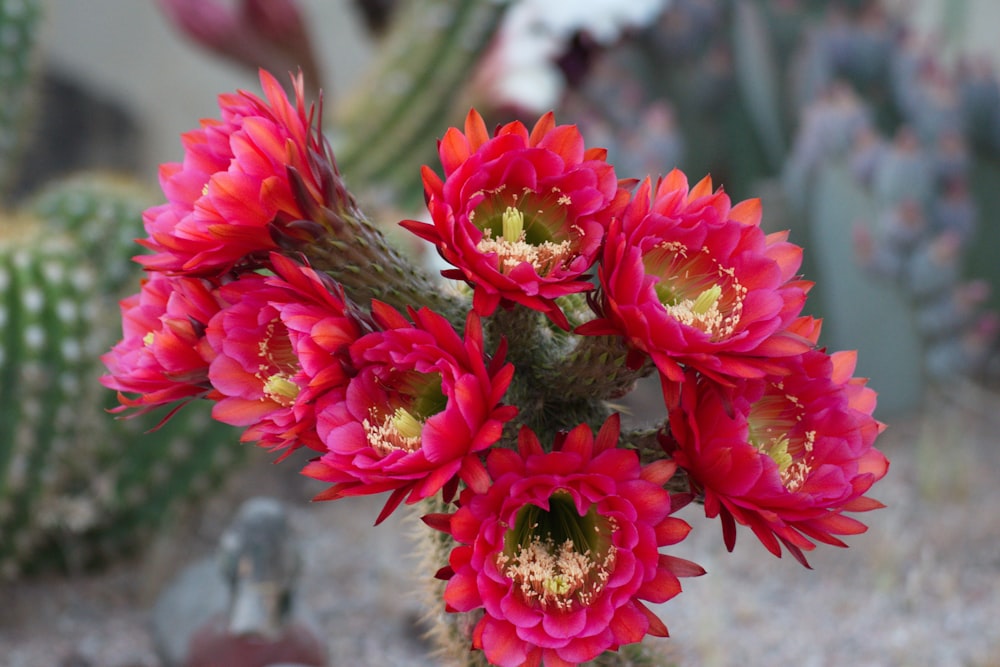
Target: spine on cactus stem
[536,348]
[449,633]
[91,208]
[44,356]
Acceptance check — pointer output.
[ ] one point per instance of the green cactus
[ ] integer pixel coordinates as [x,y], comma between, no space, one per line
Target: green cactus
[413,94]
[748,82]
[102,213]
[76,486]
[19,21]
[874,317]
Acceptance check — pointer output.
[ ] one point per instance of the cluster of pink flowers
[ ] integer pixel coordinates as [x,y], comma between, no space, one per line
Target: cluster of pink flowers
[491,409]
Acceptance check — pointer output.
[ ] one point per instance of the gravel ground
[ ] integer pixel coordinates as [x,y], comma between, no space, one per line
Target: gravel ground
[921,588]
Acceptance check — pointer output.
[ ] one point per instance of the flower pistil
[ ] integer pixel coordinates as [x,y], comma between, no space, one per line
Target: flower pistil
[399,430]
[278,364]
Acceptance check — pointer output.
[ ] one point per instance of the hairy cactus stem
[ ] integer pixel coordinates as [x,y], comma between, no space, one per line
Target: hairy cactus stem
[451,633]
[359,258]
[597,367]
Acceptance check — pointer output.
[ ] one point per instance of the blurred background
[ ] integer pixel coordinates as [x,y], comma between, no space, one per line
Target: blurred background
[870,129]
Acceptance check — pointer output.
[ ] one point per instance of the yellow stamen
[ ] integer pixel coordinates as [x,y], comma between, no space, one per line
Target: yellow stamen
[148,339]
[544,257]
[773,432]
[399,431]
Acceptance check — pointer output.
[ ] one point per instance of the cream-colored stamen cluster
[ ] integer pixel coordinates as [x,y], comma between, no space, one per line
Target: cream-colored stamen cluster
[277,386]
[512,249]
[557,576]
[399,430]
[770,425]
[716,310]
[795,474]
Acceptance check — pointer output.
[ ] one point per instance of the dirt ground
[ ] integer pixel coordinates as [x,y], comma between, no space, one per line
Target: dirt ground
[921,588]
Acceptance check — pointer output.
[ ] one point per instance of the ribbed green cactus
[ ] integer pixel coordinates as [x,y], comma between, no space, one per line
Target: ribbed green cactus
[413,94]
[77,486]
[102,213]
[18,28]
[869,314]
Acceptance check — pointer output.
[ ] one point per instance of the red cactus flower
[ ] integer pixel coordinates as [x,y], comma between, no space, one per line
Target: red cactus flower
[562,548]
[520,215]
[785,455]
[423,404]
[281,345]
[162,357]
[689,279]
[245,184]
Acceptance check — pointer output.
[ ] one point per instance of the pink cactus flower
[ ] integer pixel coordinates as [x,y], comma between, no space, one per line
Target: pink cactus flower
[692,281]
[162,357]
[562,548]
[520,215]
[244,186]
[423,404]
[280,346]
[785,455]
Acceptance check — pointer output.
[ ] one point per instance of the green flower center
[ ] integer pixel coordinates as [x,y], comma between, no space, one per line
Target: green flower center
[281,389]
[695,289]
[558,558]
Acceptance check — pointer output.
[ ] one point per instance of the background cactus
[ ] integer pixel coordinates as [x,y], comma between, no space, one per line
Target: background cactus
[76,486]
[18,29]
[858,136]
[384,130]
